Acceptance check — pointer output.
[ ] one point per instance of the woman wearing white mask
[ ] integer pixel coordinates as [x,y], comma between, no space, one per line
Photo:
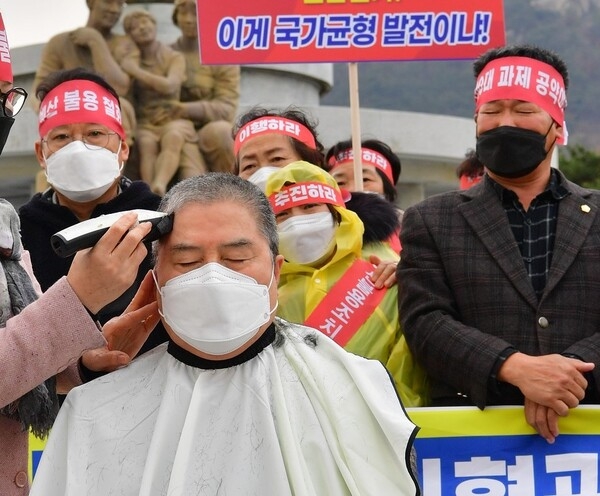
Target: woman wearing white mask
[325,283]
[266,140]
[82,149]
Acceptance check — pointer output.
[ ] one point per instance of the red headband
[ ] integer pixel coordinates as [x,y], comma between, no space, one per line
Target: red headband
[303,193]
[466,181]
[78,101]
[526,79]
[6,73]
[277,125]
[370,157]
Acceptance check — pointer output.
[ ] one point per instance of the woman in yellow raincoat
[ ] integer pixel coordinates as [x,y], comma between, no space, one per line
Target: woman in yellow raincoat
[325,281]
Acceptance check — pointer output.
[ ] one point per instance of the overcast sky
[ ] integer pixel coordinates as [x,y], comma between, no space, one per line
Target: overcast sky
[35,21]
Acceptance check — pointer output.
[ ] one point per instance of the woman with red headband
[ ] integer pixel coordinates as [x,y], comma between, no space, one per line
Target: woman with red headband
[266,140]
[325,281]
[381,169]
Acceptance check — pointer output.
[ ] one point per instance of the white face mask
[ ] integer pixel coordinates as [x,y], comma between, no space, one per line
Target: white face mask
[214,309]
[82,174]
[261,176]
[305,239]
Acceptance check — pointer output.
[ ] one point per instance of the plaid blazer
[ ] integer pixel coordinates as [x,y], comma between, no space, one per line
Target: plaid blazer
[465,295]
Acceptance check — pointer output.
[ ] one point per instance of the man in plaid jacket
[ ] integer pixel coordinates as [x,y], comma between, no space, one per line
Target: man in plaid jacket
[499,284]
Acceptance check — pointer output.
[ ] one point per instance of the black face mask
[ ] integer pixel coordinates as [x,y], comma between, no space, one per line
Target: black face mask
[5,125]
[511,151]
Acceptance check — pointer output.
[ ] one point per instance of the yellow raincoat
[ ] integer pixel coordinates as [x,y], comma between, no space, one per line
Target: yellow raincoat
[302,287]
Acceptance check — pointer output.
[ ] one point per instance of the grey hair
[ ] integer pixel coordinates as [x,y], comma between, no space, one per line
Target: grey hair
[215,187]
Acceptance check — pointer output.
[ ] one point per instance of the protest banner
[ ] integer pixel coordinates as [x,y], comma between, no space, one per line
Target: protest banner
[294,31]
[300,31]
[468,452]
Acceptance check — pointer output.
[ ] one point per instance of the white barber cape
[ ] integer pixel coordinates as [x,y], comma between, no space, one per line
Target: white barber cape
[295,414]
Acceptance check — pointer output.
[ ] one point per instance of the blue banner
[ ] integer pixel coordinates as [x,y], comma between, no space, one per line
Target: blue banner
[468,452]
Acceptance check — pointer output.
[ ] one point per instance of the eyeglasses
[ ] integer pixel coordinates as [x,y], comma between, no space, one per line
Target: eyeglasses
[93,139]
[13,101]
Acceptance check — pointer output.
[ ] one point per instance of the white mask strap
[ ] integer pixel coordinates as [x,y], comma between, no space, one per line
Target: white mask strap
[158,289]
[271,312]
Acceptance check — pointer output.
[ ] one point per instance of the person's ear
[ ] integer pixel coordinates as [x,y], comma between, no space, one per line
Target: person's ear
[157,294]
[124,152]
[39,153]
[559,130]
[278,263]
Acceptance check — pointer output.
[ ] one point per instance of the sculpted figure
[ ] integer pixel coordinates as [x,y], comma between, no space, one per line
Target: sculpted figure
[157,77]
[209,94]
